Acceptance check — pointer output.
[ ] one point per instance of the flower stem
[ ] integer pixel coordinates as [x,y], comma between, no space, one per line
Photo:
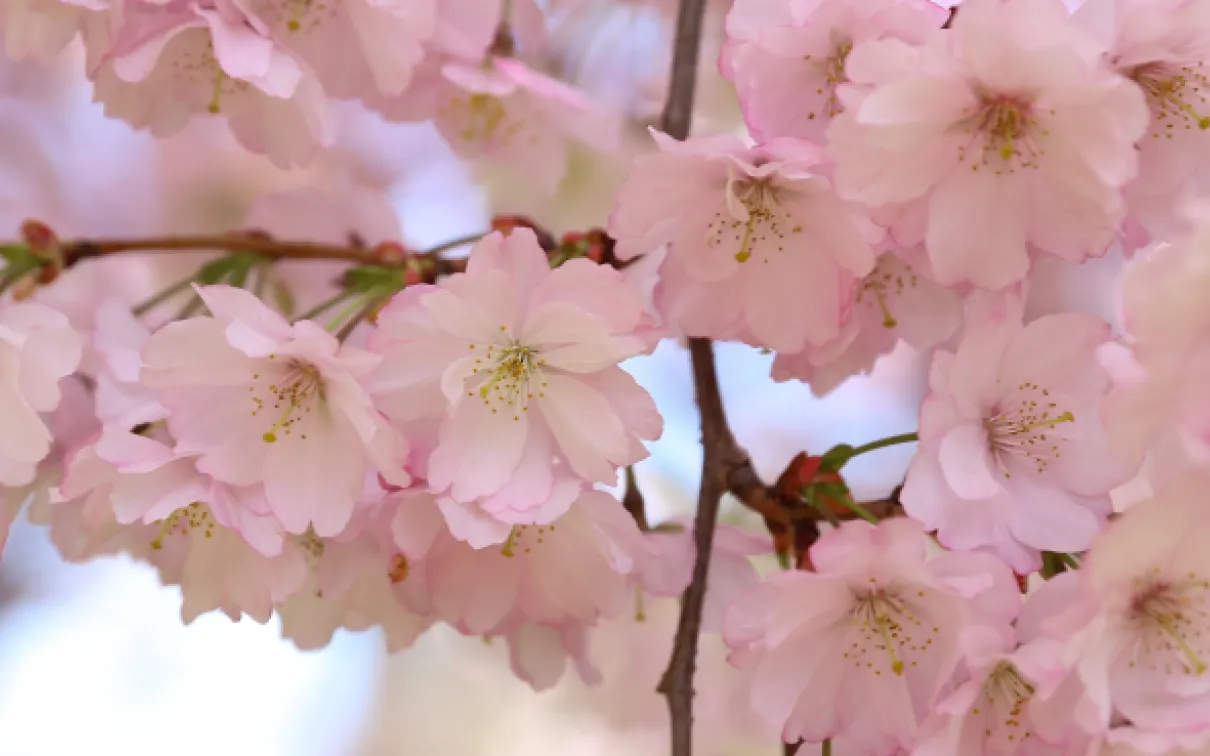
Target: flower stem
[859,510]
[324,306]
[882,443]
[148,304]
[827,747]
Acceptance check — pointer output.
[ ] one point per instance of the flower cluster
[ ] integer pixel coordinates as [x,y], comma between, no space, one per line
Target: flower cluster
[441,452]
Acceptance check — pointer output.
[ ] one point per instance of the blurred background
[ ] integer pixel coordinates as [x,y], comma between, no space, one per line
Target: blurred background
[94,658]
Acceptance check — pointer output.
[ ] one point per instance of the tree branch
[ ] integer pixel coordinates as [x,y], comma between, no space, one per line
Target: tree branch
[76,250]
[720,453]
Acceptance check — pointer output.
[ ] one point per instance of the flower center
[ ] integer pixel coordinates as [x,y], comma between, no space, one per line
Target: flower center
[889,279]
[481,118]
[514,371]
[885,632]
[184,521]
[763,226]
[1173,624]
[290,394]
[525,538]
[1004,696]
[832,68]
[1002,131]
[1026,428]
[1175,94]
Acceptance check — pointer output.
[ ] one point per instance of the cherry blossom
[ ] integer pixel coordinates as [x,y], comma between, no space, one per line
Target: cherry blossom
[40,29]
[787,74]
[356,48]
[261,401]
[172,61]
[1156,406]
[995,711]
[530,579]
[352,583]
[859,647]
[896,300]
[759,246]
[1013,455]
[502,112]
[37,349]
[1138,626]
[986,139]
[1162,47]
[484,348]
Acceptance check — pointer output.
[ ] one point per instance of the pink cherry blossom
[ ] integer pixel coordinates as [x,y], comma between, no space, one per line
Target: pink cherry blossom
[118,340]
[37,348]
[539,654]
[172,61]
[353,584]
[896,300]
[40,29]
[995,711]
[574,570]
[502,112]
[484,348]
[259,400]
[1013,456]
[356,48]
[760,247]
[1162,46]
[787,74]
[1005,135]
[669,566]
[1139,629]
[1158,405]
[858,648]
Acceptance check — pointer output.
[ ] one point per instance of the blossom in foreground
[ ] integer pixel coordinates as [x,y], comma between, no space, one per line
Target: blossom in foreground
[519,364]
[1138,627]
[760,248]
[504,113]
[261,401]
[170,62]
[1007,134]
[1013,456]
[896,300]
[787,75]
[997,710]
[861,646]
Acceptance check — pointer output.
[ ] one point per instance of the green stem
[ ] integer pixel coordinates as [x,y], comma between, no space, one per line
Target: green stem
[827,747]
[371,302]
[147,305]
[324,306]
[882,443]
[1072,562]
[461,241]
[859,510]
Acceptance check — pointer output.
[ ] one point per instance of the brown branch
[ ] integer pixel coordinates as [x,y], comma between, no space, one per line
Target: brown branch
[720,452]
[76,250]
